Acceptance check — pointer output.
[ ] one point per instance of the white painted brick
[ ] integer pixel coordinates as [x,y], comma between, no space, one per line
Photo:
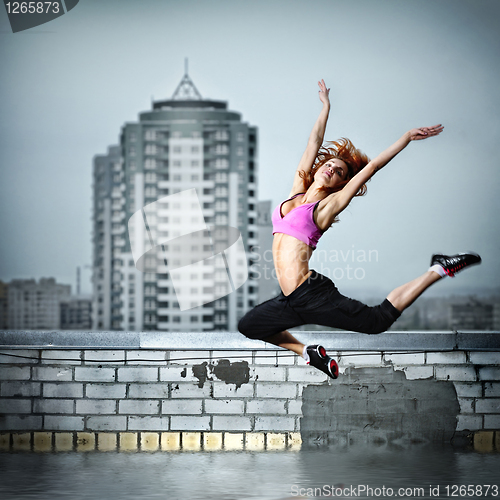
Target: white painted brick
[106,357]
[285,390]
[95,406]
[57,357]
[485,358]
[416,372]
[52,373]
[232,356]
[20,356]
[186,390]
[188,357]
[21,423]
[146,358]
[190,423]
[458,373]
[295,407]
[105,391]
[20,389]
[139,407]
[268,374]
[15,405]
[489,373]
[137,374]
[88,374]
[491,405]
[410,358]
[492,422]
[106,423]
[149,391]
[492,390]
[469,422]
[306,374]
[181,406]
[466,405]
[15,373]
[358,360]
[272,406]
[472,390]
[442,358]
[222,390]
[177,373]
[62,390]
[224,406]
[58,423]
[136,423]
[275,424]
[284,358]
[224,423]
[53,406]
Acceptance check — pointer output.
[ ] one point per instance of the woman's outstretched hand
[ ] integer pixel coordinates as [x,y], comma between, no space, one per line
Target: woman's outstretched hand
[417,134]
[323,92]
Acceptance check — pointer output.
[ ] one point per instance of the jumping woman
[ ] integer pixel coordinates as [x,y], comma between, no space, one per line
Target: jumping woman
[327,179]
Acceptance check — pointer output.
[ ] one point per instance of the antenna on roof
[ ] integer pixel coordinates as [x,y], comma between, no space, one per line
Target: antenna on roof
[186,90]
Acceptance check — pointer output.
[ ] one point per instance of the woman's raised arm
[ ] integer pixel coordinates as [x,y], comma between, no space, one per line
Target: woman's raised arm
[315,139]
[340,200]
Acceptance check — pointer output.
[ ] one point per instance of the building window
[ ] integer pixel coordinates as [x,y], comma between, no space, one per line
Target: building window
[195,149]
[177,163]
[177,149]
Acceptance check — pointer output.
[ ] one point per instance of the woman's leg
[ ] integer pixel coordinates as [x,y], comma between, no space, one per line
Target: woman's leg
[441,265]
[286,340]
[405,295]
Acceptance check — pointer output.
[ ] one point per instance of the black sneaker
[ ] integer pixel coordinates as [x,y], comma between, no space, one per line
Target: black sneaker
[320,360]
[452,264]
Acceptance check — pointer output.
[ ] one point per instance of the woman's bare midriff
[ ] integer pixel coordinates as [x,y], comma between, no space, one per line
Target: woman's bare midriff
[291,261]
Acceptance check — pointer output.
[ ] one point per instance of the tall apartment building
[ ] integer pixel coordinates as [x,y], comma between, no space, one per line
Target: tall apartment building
[36,306]
[182,143]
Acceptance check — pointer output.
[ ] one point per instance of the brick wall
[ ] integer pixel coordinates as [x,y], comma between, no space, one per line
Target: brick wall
[213,391]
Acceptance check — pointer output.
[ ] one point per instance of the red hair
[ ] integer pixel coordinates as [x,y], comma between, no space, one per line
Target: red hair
[344,150]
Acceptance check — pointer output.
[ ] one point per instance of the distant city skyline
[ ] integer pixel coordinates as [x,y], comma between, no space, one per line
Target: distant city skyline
[69,86]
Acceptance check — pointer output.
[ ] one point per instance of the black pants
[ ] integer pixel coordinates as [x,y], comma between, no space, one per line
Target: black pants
[316,301]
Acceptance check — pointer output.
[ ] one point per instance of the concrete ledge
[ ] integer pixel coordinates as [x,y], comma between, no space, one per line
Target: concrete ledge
[332,340]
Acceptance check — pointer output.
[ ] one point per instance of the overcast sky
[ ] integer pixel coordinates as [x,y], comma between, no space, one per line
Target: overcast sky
[68,86]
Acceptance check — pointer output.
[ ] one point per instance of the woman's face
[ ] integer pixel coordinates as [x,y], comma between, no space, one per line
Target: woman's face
[331,173]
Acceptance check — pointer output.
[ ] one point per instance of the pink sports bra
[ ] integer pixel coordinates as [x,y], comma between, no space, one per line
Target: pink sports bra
[299,222]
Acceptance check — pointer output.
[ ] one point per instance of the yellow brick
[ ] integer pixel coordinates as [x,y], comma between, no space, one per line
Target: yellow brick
[42,441]
[4,442]
[191,441]
[21,442]
[254,441]
[85,441]
[128,441]
[150,441]
[233,441]
[170,441]
[212,441]
[294,441]
[64,441]
[483,441]
[275,441]
[106,441]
